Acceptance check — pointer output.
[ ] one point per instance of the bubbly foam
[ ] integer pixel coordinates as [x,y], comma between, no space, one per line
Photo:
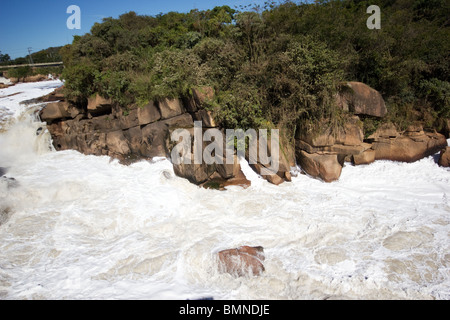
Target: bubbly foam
[87,227]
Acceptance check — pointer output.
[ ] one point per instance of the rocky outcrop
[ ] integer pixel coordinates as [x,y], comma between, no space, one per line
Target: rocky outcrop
[321,153]
[242,261]
[104,128]
[2,171]
[409,146]
[101,127]
[444,157]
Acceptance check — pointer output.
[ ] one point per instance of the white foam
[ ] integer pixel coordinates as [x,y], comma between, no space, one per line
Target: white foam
[88,227]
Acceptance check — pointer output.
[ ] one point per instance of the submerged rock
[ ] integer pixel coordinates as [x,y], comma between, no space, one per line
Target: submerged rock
[242,261]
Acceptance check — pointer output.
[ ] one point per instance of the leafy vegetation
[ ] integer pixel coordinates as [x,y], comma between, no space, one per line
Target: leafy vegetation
[273,65]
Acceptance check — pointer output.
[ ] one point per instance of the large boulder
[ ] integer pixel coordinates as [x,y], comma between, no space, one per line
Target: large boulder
[117,143]
[134,116]
[148,114]
[360,99]
[195,173]
[322,150]
[366,157]
[242,261]
[170,108]
[129,118]
[57,111]
[444,157]
[325,166]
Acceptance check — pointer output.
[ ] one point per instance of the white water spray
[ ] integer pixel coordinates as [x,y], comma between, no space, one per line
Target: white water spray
[86,227]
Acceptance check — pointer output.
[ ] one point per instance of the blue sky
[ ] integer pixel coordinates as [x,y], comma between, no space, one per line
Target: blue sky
[40,24]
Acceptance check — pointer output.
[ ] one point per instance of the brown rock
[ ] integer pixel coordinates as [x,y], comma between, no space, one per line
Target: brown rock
[148,114]
[409,149]
[347,150]
[367,157]
[361,99]
[35,78]
[129,118]
[352,132]
[385,131]
[55,96]
[239,179]
[203,95]
[444,158]
[98,105]
[323,166]
[96,144]
[183,121]
[117,143]
[134,138]
[195,173]
[322,138]
[58,110]
[171,108]
[272,178]
[155,140]
[100,124]
[286,159]
[243,261]
[228,171]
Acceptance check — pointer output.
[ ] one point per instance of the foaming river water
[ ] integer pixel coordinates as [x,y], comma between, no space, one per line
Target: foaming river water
[86,227]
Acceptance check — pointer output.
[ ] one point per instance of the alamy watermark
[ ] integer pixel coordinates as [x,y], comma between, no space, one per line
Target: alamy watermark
[374,21]
[221,150]
[74,21]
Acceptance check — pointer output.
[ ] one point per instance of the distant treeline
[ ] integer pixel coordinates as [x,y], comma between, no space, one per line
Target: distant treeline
[275,65]
[43,56]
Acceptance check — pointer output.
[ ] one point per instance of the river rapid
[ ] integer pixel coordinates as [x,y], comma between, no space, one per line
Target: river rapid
[85,227]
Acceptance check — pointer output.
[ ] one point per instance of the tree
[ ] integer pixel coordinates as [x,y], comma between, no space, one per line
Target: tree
[4,58]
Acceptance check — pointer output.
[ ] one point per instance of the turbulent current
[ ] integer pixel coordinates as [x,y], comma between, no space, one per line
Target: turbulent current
[84,227]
